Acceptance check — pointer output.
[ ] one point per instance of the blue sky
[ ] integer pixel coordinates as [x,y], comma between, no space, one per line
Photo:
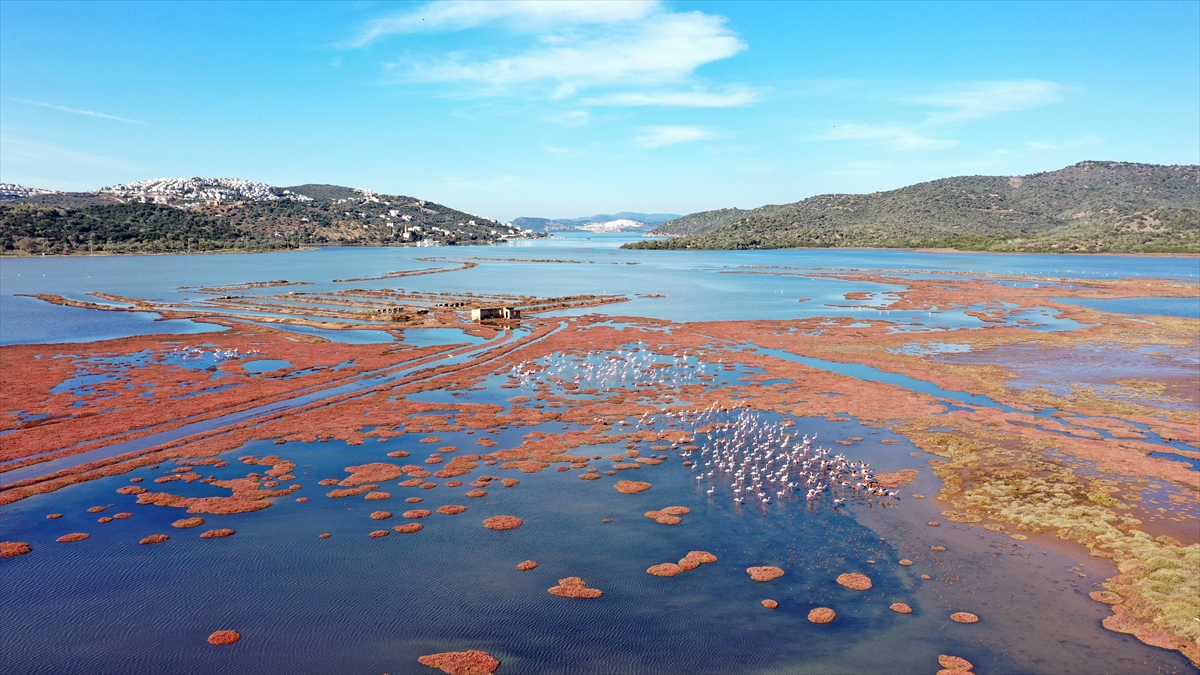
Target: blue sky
[566,109]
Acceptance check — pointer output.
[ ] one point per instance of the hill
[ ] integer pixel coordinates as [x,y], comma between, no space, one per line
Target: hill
[626,221]
[1089,207]
[203,214]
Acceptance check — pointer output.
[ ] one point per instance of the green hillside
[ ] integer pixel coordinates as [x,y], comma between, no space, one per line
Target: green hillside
[1089,207]
[98,222]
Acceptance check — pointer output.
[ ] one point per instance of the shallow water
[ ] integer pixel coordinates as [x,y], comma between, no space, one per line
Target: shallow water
[352,604]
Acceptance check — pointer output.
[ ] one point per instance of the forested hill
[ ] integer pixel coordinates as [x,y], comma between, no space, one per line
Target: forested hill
[1088,207]
[208,214]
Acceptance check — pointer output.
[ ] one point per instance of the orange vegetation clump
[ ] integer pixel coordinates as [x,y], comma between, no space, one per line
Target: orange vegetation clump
[121,516]
[417,513]
[906,562]
[589,476]
[451,509]
[53,516]
[408,528]
[97,509]
[376,472]
[822,615]
[74,536]
[217,533]
[704,557]
[954,662]
[665,570]
[224,637]
[900,608]
[510,482]
[854,581]
[11,549]
[185,523]
[770,604]
[130,490]
[964,617]
[375,496]
[398,453]
[764,573]
[104,519]
[414,500]
[377,534]
[301,500]
[380,515]
[154,539]
[526,566]
[472,662]
[246,497]
[574,587]
[325,535]
[630,487]
[897,479]
[502,523]
[453,483]
[477,493]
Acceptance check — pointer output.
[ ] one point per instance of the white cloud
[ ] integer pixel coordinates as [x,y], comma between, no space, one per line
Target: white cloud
[666,47]
[572,118]
[698,98]
[894,137]
[77,111]
[973,100]
[1083,142]
[521,15]
[658,136]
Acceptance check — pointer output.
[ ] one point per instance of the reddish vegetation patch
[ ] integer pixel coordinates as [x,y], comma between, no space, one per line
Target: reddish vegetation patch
[471,662]
[414,500]
[954,662]
[326,535]
[937,548]
[1107,597]
[154,539]
[11,549]
[224,637]
[764,573]
[686,564]
[411,482]
[375,496]
[349,492]
[431,439]
[451,509]
[502,523]
[770,604]
[856,582]
[434,460]
[477,493]
[822,615]
[97,509]
[906,562]
[217,533]
[301,499]
[934,523]
[377,534]
[327,482]
[510,482]
[926,577]
[122,516]
[676,510]
[408,528]
[53,516]
[398,453]
[74,536]
[453,483]
[900,608]
[964,617]
[185,523]
[896,480]
[703,557]
[428,486]
[574,587]
[104,519]
[381,515]
[417,513]
[630,487]
[376,472]
[130,490]
[667,519]
[589,476]
[526,566]
[664,570]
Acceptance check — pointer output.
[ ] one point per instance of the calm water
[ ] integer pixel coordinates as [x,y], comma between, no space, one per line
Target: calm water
[351,604]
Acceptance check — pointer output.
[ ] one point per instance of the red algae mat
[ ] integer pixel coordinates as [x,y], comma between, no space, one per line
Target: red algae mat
[470,662]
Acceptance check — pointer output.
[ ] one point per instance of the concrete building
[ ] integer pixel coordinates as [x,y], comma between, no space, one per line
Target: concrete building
[495,313]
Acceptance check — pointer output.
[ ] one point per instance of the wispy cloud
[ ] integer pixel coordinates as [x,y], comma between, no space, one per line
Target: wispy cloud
[698,98]
[1082,142]
[658,136]
[571,118]
[893,137]
[974,100]
[642,50]
[77,111]
[528,15]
